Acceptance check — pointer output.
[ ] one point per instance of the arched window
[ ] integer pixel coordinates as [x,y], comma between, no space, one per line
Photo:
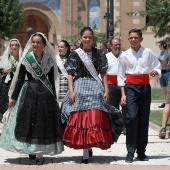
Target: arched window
[94,14]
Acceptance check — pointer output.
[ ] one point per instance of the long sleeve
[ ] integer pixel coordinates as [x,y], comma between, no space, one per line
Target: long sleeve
[51,78]
[21,78]
[121,73]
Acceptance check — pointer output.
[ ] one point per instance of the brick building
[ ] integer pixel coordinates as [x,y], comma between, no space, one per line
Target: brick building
[49,17]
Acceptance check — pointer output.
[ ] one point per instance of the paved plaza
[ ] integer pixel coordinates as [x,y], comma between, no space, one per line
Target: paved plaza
[158,151]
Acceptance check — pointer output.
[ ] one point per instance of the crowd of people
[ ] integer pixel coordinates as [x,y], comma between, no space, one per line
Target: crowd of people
[81,97]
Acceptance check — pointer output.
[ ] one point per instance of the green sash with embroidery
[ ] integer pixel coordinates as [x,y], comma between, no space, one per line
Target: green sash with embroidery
[37,69]
[13,66]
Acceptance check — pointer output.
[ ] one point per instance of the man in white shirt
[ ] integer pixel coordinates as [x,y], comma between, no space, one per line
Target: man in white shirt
[135,66]
[113,61]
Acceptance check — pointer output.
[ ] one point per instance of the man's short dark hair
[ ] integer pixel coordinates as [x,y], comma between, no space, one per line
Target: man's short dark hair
[136,30]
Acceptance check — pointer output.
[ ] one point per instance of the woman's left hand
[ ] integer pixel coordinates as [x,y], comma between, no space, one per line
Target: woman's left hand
[106,95]
[8,70]
[11,103]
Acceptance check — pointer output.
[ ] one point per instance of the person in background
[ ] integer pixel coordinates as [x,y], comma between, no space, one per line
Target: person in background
[166,111]
[73,47]
[103,47]
[64,51]
[84,107]
[34,124]
[8,66]
[165,76]
[78,43]
[108,43]
[52,44]
[135,66]
[114,89]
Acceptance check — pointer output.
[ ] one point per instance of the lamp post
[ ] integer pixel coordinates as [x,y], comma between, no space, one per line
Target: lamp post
[111,20]
[106,16]
[109,15]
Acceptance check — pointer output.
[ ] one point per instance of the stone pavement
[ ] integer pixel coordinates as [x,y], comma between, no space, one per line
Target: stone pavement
[158,151]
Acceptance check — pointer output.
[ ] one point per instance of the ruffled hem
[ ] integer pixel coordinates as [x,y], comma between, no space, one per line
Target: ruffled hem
[87,138]
[88,129]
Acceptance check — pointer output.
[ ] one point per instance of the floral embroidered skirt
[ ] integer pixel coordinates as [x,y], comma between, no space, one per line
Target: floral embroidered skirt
[34,123]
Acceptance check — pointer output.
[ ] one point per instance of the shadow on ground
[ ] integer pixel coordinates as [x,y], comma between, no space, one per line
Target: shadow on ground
[76,160]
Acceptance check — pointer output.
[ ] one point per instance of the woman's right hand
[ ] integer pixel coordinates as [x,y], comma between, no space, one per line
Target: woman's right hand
[8,70]
[11,103]
[72,98]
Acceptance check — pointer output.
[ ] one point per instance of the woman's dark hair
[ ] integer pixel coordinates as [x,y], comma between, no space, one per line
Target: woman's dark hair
[66,45]
[86,29]
[39,35]
[164,44]
[104,44]
[82,32]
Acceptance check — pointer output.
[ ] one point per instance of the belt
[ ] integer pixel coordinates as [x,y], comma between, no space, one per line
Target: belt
[140,79]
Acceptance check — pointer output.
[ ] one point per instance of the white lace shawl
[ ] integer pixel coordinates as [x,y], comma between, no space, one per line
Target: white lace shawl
[5,63]
[46,62]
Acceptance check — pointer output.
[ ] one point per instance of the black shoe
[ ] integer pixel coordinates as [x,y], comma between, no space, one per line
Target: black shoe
[142,157]
[90,153]
[85,161]
[129,157]
[162,105]
[162,133]
[33,157]
[40,161]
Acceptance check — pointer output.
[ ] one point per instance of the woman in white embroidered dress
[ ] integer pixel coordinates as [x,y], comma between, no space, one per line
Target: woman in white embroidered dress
[64,51]
[8,65]
[34,123]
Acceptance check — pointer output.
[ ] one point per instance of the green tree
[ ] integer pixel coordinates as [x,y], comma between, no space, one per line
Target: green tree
[158,12]
[11,18]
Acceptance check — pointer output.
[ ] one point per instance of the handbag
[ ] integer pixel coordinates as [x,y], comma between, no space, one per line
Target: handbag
[6,116]
[116,121]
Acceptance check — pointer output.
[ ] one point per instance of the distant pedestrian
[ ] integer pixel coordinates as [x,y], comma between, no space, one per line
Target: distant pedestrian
[73,47]
[166,111]
[165,76]
[103,47]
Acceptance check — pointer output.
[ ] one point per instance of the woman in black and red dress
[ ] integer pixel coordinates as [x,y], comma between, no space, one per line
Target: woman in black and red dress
[85,105]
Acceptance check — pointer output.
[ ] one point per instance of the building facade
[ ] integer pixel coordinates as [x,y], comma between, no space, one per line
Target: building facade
[49,17]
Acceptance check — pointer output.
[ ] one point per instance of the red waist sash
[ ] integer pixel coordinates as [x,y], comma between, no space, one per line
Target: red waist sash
[137,79]
[112,79]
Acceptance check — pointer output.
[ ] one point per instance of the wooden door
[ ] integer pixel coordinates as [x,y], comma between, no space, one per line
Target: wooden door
[32,24]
